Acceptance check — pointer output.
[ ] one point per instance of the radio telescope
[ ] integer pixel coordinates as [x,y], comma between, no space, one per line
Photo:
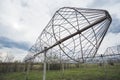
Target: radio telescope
[72,33]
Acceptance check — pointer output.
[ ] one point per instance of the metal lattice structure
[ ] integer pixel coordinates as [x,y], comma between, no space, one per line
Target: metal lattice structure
[113,53]
[114,50]
[72,33]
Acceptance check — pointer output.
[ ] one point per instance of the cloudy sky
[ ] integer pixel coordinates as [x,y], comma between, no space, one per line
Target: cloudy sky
[21,22]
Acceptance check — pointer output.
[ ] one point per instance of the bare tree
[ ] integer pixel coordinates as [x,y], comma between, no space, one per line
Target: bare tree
[9,58]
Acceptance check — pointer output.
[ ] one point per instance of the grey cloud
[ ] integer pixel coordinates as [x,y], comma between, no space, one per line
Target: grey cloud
[24,3]
[115,26]
[100,3]
[3,28]
[9,43]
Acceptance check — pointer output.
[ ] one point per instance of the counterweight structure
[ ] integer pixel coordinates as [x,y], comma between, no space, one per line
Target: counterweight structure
[72,34]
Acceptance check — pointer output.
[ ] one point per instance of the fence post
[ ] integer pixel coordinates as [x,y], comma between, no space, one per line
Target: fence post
[27,71]
[44,68]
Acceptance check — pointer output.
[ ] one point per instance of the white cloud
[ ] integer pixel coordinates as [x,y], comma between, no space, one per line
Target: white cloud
[112,6]
[26,19]
[54,5]
[17,53]
[2,54]
[27,23]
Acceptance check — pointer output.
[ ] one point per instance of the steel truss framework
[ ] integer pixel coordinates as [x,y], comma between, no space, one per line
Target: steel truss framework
[113,53]
[72,33]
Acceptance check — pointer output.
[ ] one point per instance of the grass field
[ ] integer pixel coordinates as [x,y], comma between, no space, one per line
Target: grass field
[82,73]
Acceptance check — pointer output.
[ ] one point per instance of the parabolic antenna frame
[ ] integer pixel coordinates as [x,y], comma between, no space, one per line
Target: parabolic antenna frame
[72,33]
